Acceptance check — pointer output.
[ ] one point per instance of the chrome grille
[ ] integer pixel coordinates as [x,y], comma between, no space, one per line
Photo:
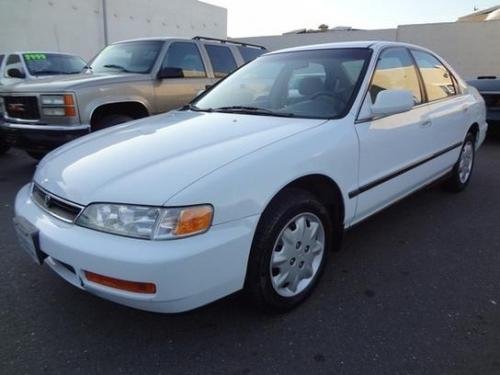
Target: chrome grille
[57,207]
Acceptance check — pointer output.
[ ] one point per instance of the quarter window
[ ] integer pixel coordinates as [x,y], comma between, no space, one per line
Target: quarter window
[222,60]
[186,57]
[396,71]
[250,53]
[438,80]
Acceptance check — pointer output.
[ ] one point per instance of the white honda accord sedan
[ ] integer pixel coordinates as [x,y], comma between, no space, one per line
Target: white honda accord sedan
[252,184]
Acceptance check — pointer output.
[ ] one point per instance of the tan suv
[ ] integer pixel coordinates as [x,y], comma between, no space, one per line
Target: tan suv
[125,81]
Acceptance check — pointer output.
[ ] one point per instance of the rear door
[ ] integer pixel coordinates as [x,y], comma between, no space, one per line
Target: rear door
[173,93]
[392,148]
[448,108]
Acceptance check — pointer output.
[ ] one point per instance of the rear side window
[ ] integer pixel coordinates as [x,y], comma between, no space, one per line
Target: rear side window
[222,60]
[396,71]
[437,79]
[249,53]
[186,57]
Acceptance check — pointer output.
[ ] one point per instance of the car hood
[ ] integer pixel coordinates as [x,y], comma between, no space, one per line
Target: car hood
[148,161]
[70,82]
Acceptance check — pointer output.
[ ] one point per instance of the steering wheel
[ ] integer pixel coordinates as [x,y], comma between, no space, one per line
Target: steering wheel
[330,94]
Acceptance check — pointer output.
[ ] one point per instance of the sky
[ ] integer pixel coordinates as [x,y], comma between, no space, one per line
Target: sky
[271,17]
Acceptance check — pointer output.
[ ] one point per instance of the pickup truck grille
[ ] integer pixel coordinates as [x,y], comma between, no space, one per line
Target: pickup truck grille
[60,208]
[492,100]
[22,107]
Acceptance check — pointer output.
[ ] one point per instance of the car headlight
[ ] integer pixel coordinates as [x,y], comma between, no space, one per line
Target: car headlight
[58,105]
[153,223]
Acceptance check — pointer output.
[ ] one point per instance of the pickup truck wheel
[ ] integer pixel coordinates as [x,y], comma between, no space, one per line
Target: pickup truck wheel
[462,171]
[4,147]
[289,251]
[110,120]
[36,155]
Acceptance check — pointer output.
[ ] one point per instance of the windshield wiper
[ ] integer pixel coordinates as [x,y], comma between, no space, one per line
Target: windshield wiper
[252,110]
[116,66]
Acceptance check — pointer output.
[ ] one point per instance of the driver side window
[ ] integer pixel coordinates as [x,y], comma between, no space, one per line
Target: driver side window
[13,62]
[396,71]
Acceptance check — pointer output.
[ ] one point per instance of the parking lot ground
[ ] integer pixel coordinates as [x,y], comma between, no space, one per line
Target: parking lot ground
[415,290]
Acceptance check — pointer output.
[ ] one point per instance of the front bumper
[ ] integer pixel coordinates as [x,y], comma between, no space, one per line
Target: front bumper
[188,273]
[40,138]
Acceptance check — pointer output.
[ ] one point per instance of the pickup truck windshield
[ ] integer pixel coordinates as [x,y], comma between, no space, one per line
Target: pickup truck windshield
[52,64]
[128,57]
[310,84]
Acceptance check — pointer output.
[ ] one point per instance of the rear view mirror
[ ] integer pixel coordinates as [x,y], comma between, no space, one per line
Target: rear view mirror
[170,73]
[390,102]
[15,73]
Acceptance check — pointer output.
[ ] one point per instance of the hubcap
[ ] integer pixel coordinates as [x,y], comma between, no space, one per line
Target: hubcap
[297,254]
[466,162]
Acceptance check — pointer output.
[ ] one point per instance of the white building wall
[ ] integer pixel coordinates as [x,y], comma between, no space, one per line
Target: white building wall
[473,48]
[77,26]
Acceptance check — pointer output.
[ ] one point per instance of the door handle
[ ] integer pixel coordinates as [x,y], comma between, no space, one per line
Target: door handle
[426,124]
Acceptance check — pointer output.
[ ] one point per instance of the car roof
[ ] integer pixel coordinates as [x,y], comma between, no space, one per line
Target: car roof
[374,44]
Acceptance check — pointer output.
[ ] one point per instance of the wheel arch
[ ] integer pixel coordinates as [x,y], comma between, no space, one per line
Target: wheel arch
[324,188]
[133,108]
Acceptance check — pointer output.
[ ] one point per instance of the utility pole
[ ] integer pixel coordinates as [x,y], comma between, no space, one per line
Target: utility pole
[105,22]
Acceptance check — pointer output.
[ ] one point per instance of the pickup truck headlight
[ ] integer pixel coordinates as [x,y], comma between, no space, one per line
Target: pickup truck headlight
[58,105]
[152,223]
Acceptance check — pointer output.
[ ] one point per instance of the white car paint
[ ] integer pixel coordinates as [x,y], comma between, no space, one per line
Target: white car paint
[237,163]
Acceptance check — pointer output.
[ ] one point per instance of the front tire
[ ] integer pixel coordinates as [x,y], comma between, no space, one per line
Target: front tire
[462,171]
[289,251]
[110,120]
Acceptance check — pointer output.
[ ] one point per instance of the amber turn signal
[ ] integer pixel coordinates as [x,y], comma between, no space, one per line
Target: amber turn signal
[194,220]
[129,286]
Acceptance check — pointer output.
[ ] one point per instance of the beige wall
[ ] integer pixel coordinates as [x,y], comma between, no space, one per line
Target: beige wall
[77,26]
[471,47]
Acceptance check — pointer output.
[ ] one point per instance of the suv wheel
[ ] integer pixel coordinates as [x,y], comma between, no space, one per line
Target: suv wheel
[110,120]
[289,251]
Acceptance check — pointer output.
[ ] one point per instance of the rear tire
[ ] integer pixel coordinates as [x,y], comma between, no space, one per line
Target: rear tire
[110,120]
[462,171]
[289,251]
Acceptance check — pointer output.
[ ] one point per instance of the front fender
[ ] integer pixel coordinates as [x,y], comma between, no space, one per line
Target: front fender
[245,186]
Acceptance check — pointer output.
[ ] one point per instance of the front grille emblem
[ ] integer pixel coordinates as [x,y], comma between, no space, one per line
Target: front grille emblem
[16,107]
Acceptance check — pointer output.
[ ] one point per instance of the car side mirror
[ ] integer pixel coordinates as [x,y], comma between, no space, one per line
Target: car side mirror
[168,72]
[15,73]
[390,102]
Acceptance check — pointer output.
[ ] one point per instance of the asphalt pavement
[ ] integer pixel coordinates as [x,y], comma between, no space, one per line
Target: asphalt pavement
[415,290]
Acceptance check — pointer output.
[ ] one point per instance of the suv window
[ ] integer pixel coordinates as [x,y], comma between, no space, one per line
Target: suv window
[249,53]
[396,70]
[186,57]
[438,80]
[13,62]
[222,60]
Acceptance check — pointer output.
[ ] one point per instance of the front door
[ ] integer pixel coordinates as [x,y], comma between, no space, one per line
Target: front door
[393,148]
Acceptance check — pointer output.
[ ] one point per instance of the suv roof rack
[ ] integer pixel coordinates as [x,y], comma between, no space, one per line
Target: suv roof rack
[224,41]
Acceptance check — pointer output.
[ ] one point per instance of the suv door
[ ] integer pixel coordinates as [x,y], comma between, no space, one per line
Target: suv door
[448,107]
[184,57]
[392,147]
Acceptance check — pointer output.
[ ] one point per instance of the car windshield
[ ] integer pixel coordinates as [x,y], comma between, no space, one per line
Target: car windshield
[129,57]
[53,63]
[310,84]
